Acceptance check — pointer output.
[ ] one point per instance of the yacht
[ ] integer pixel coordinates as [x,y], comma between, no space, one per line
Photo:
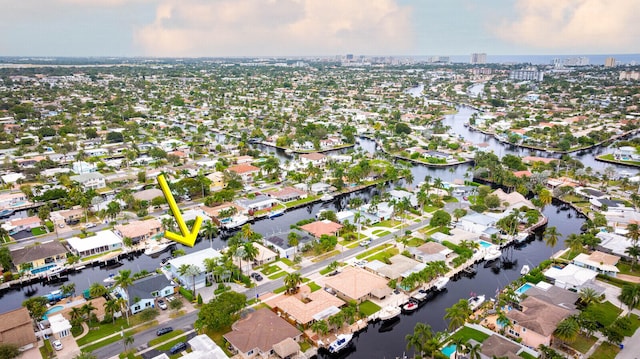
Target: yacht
[233,222]
[389,312]
[6,213]
[475,302]
[326,197]
[420,296]
[276,213]
[441,282]
[492,253]
[156,248]
[521,237]
[525,269]
[410,306]
[110,278]
[340,343]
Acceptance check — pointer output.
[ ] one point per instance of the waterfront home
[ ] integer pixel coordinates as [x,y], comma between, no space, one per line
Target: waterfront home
[217,181]
[591,193]
[257,203]
[431,252]
[265,255]
[88,181]
[143,293]
[308,308]
[571,277]
[70,215]
[356,284]
[315,159]
[400,195]
[537,320]
[16,225]
[11,177]
[16,327]
[476,222]
[400,267]
[139,230]
[382,212]
[12,199]
[514,200]
[245,171]
[316,188]
[81,167]
[101,242]
[197,259]
[320,228]
[280,242]
[39,256]
[256,335]
[60,326]
[288,194]
[614,243]
[497,346]
[600,262]
[626,153]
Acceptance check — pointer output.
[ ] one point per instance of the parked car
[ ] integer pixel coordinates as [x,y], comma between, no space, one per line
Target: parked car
[256,276]
[178,348]
[162,304]
[365,243]
[57,345]
[89,225]
[162,331]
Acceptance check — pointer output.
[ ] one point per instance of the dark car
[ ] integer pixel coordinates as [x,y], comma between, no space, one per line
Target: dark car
[256,276]
[162,331]
[178,348]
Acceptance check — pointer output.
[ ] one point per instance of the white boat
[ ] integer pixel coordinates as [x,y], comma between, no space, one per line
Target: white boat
[521,237]
[234,222]
[420,296]
[276,213]
[410,306]
[326,197]
[492,253]
[340,343]
[389,312]
[441,282]
[525,269]
[110,278]
[475,302]
[156,248]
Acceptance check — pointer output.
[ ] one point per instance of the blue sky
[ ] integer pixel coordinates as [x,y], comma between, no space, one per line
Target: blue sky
[316,27]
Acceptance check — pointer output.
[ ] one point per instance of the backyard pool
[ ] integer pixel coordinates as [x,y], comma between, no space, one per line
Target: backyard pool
[485,244]
[448,350]
[52,310]
[42,269]
[525,287]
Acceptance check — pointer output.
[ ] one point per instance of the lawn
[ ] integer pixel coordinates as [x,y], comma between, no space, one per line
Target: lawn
[390,223]
[322,257]
[165,337]
[368,308]
[102,343]
[277,275]
[605,313]
[103,331]
[605,351]
[625,268]
[38,231]
[383,256]
[271,269]
[373,250]
[583,343]
[526,355]
[381,233]
[302,201]
[313,286]
[167,346]
[414,242]
[635,323]
[469,333]
[286,261]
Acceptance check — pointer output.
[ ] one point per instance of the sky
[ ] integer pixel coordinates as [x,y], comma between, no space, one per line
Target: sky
[232,28]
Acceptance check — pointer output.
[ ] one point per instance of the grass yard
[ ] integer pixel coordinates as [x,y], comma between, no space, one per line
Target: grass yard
[605,351]
[414,242]
[277,275]
[165,337]
[626,268]
[313,286]
[390,223]
[167,346]
[583,343]
[368,308]
[383,256]
[605,313]
[322,257]
[373,250]
[103,331]
[469,333]
[102,343]
[309,199]
[381,233]
[38,231]
[526,355]
[635,323]
[286,261]
[271,269]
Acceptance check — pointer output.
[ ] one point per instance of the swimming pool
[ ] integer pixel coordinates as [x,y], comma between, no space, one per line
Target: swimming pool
[42,269]
[448,350]
[52,310]
[525,287]
[485,244]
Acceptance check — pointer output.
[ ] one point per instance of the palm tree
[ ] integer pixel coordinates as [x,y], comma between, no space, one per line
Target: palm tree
[567,330]
[210,265]
[630,296]
[474,351]
[320,327]
[458,314]
[210,230]
[111,307]
[291,282]
[68,289]
[87,309]
[85,355]
[336,320]
[460,343]
[127,340]
[97,290]
[190,270]
[76,314]
[633,232]
[551,236]
[124,281]
[293,240]
[545,198]
[249,252]
[634,253]
[422,333]
[574,242]
[589,295]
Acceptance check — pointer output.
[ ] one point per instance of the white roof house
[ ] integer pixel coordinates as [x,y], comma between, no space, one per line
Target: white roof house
[571,276]
[60,326]
[598,261]
[103,241]
[614,243]
[197,259]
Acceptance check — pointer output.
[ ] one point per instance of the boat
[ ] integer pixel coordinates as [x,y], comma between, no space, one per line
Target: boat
[476,301]
[56,295]
[288,151]
[326,197]
[521,237]
[233,222]
[420,296]
[492,253]
[340,343]
[6,212]
[276,213]
[389,312]
[110,278]
[525,269]
[156,248]
[441,282]
[55,270]
[410,306]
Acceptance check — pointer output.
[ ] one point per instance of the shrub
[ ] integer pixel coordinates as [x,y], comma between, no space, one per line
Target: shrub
[149,314]
[199,299]
[187,294]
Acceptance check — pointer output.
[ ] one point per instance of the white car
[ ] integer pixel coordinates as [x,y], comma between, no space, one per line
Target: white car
[365,243]
[57,345]
[89,225]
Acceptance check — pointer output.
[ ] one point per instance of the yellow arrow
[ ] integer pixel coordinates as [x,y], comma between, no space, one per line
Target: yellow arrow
[187,238]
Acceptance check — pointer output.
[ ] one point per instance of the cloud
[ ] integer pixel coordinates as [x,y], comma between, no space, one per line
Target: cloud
[573,26]
[276,27]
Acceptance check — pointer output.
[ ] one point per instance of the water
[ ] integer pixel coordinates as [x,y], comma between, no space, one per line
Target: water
[525,287]
[52,310]
[448,350]
[485,244]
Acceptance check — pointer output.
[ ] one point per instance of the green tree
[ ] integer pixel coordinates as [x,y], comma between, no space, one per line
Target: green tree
[320,327]
[111,307]
[458,313]
[124,281]
[440,218]
[5,258]
[633,252]
[630,296]
[97,290]
[220,312]
[36,306]
[551,236]
[9,351]
[292,281]
[567,330]
[84,355]
[192,271]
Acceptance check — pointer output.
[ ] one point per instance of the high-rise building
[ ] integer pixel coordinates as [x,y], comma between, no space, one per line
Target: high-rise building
[577,61]
[629,75]
[478,58]
[531,74]
[610,62]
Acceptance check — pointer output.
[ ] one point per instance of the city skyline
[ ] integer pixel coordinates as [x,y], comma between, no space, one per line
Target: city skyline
[232,28]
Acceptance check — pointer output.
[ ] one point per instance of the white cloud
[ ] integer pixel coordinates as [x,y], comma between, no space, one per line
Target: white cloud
[578,26]
[277,27]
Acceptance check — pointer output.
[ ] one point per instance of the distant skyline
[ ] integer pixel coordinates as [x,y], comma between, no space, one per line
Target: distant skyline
[220,28]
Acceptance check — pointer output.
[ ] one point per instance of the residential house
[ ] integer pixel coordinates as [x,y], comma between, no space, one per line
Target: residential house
[400,195]
[312,307]
[197,259]
[400,267]
[537,320]
[431,252]
[288,194]
[497,346]
[60,326]
[101,242]
[217,181]
[139,230]
[476,222]
[16,327]
[320,228]
[257,203]
[280,242]
[314,159]
[14,226]
[244,159]
[71,215]
[614,243]
[571,277]
[12,199]
[81,167]
[202,347]
[513,200]
[39,256]
[89,181]
[600,262]
[256,335]
[355,284]
[245,171]
[144,292]
[265,255]
[148,194]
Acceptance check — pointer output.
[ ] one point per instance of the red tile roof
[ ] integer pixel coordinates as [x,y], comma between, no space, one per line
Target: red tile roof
[318,228]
